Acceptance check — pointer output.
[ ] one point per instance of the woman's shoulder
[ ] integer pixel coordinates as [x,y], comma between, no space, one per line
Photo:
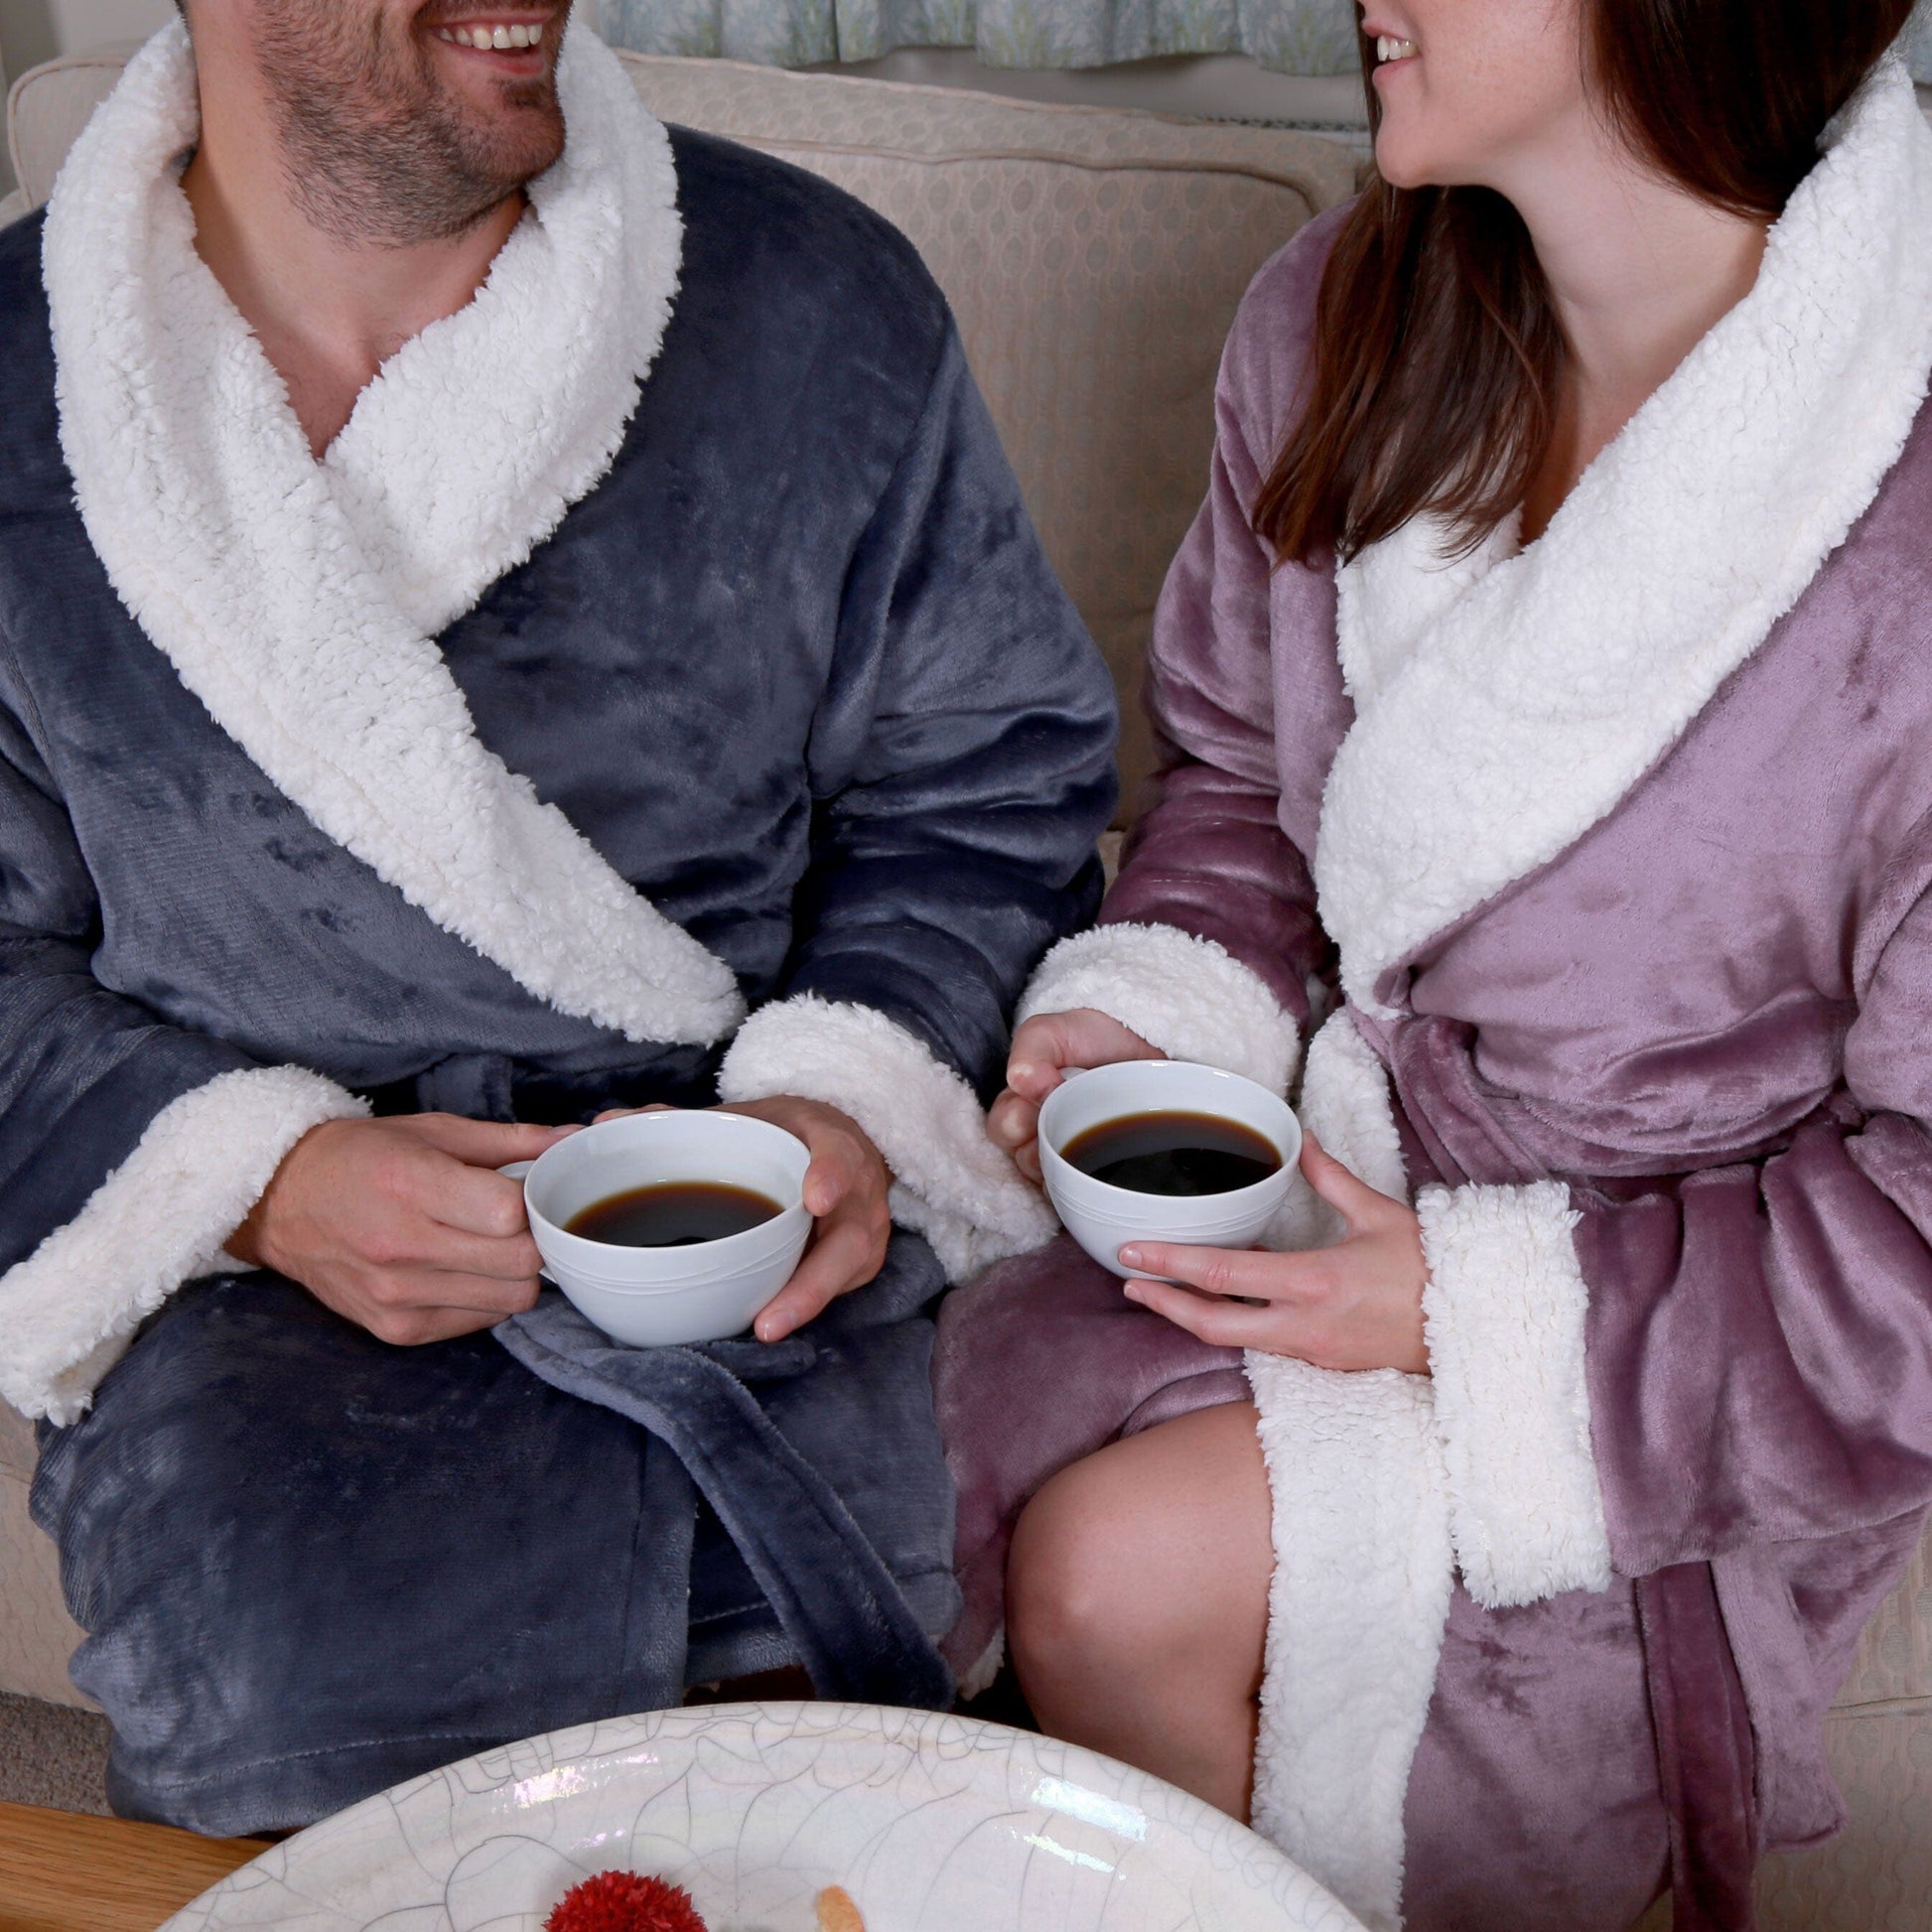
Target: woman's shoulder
[1268,346]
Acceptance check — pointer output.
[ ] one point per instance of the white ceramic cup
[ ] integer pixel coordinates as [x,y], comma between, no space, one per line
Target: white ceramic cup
[1103,1218]
[653,1297]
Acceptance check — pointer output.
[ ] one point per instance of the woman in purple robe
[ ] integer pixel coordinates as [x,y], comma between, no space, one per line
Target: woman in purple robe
[1548,688]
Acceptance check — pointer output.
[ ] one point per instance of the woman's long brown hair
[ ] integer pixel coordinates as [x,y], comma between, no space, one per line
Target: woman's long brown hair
[1438,353]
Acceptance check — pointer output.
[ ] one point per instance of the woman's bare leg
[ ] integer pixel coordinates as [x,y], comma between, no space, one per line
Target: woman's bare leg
[1137,1601]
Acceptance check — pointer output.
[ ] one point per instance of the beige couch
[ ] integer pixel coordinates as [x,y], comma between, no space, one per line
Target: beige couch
[1094,259]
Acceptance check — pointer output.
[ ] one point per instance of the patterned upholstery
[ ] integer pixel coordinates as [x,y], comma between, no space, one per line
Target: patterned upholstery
[1094,259]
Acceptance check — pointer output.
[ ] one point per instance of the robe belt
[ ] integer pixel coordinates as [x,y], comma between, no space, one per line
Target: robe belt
[839,1604]
[1705,1761]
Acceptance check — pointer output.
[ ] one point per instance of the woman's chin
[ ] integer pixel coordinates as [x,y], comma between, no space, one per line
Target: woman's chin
[1398,165]
[1407,156]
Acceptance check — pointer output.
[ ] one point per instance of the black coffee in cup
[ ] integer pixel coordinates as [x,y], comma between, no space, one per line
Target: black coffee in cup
[1174,1152]
[673,1214]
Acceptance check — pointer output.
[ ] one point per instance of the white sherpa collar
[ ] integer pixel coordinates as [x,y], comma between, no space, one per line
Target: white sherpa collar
[1506,704]
[297,600]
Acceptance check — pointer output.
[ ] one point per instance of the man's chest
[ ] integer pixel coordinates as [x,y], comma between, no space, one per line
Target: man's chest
[667,721]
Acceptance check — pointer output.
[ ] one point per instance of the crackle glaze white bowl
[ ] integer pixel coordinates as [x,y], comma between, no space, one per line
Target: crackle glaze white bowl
[933,1824]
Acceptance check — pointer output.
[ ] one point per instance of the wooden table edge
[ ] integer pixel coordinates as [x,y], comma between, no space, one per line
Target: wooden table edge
[69,1871]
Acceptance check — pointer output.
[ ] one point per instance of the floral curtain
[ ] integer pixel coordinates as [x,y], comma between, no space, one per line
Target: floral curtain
[1289,36]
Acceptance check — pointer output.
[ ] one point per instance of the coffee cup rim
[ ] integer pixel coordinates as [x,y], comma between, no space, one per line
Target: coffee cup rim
[744,1246]
[1286,1145]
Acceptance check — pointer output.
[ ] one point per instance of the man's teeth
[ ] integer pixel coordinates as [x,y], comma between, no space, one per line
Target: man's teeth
[493,37]
[1388,48]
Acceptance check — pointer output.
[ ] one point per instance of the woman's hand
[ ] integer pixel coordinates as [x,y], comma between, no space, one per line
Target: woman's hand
[1355,1305]
[1040,1049]
[845,1193]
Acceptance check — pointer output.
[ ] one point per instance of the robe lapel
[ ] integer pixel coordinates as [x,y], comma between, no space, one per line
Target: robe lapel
[297,599]
[1506,702]
[477,436]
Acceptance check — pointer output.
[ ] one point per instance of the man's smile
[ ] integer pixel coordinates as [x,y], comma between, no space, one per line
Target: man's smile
[494,36]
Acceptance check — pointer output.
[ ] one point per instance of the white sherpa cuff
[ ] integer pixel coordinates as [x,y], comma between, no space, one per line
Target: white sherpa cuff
[1504,1315]
[1187,996]
[157,1221]
[951,1182]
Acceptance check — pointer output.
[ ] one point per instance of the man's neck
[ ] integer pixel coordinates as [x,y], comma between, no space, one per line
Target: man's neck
[328,313]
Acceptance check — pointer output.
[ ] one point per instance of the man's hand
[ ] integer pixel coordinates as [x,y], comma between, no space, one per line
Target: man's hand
[845,1193]
[1355,1305]
[402,1224]
[1040,1049]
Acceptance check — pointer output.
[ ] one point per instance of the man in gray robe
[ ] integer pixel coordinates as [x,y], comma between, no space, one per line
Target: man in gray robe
[492,590]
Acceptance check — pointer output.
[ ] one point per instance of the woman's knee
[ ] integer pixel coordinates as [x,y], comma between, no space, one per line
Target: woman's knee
[1127,1557]
[1064,1595]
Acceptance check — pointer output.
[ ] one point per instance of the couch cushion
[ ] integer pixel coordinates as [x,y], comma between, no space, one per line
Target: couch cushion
[37,1637]
[16,1442]
[47,106]
[1094,259]
[1894,1660]
[1878,1872]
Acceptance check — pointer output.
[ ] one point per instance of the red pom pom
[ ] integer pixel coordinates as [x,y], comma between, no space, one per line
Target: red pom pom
[624,1901]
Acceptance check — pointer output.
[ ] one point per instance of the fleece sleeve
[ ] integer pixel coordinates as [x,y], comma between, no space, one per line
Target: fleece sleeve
[1667,1371]
[130,1148]
[962,769]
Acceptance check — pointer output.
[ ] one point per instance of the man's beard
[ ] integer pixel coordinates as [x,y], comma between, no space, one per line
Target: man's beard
[377,148]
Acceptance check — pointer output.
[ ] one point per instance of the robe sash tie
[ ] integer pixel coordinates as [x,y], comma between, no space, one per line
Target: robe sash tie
[849,1622]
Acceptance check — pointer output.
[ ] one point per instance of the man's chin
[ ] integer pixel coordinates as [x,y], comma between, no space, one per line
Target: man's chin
[513,131]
